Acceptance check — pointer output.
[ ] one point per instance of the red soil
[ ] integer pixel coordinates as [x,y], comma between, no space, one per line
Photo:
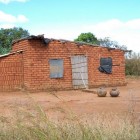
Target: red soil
[59,104]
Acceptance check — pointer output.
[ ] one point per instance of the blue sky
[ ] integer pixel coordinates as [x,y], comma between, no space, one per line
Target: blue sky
[117,19]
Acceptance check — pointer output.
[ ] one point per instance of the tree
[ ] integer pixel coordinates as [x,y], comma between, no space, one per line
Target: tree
[106,42]
[8,35]
[87,38]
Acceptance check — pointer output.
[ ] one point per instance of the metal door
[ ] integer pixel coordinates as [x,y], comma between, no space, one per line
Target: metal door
[79,71]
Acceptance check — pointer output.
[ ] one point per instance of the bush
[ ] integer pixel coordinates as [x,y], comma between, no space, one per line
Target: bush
[132,66]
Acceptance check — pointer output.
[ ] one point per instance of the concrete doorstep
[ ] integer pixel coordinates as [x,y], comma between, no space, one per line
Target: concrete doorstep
[93,91]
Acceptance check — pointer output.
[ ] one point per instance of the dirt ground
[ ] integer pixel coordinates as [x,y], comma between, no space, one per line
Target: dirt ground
[59,104]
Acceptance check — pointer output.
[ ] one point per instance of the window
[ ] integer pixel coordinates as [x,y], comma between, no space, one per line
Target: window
[106,65]
[56,68]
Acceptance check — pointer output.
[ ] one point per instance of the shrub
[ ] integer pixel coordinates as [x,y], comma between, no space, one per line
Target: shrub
[132,66]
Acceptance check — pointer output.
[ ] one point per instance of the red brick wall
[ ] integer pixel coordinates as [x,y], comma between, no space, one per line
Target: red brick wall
[117,77]
[26,47]
[36,57]
[11,72]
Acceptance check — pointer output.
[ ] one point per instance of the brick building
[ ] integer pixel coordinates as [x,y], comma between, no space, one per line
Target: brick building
[37,63]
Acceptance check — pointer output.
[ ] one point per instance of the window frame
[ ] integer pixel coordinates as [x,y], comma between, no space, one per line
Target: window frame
[56,68]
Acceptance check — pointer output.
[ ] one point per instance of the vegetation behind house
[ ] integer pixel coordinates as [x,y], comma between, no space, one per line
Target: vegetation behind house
[133,64]
[9,35]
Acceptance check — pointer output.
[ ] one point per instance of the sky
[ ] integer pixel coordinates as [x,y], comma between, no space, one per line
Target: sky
[67,19]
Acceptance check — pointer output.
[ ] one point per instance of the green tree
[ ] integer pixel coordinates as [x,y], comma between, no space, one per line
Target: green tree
[106,42]
[8,35]
[87,38]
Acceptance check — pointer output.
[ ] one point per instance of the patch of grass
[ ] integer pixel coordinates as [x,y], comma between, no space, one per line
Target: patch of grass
[30,122]
[34,124]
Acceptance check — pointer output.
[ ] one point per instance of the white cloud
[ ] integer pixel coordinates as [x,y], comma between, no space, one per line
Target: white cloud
[125,33]
[21,18]
[7,18]
[6,26]
[8,1]
[133,24]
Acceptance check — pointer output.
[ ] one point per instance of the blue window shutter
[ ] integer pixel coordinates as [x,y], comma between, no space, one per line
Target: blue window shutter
[56,68]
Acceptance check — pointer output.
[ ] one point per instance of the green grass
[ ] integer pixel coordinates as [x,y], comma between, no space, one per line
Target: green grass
[30,122]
